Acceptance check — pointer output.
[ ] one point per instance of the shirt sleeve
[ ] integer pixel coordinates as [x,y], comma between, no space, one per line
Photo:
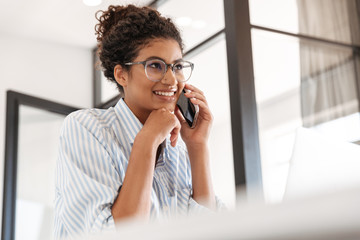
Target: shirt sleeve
[87,182]
[196,208]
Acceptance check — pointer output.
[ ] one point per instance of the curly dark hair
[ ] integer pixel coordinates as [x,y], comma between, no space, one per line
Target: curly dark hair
[123,30]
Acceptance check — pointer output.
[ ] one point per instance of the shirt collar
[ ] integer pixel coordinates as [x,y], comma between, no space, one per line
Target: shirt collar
[128,121]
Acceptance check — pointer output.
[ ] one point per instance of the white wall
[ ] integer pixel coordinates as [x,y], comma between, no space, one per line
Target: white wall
[51,71]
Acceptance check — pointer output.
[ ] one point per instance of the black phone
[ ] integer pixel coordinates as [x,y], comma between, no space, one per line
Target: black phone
[189,110]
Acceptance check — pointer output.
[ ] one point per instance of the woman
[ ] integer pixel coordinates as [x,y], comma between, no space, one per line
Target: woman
[128,161]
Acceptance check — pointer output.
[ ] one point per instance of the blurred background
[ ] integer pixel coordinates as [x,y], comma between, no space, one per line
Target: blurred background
[303,72]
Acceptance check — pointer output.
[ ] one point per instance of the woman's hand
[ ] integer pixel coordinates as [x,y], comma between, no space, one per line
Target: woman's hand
[200,134]
[196,142]
[159,125]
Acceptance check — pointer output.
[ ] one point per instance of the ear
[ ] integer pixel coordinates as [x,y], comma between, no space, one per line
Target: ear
[121,75]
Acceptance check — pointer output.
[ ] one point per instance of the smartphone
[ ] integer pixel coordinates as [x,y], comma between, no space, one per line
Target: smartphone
[189,110]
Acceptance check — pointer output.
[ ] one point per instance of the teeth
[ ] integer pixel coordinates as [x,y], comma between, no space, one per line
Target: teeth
[169,94]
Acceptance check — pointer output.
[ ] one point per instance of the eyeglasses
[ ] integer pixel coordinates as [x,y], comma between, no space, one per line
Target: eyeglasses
[155,69]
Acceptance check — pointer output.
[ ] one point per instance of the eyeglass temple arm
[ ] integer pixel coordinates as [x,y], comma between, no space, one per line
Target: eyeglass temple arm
[133,63]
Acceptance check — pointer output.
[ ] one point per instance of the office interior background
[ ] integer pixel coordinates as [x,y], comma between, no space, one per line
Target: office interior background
[304,72]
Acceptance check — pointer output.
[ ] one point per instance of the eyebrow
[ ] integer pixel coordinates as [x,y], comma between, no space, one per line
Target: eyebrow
[156,57]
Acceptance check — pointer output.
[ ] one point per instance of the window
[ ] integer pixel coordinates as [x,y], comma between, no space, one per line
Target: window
[306,75]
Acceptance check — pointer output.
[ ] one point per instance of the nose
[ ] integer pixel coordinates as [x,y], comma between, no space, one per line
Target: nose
[169,77]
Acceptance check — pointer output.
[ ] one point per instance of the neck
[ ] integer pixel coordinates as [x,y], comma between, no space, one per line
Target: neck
[142,115]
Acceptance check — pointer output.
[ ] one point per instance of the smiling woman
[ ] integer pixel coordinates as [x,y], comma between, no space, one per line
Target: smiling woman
[129,160]
[142,95]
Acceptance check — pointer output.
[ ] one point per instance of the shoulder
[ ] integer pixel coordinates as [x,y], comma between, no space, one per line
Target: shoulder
[92,120]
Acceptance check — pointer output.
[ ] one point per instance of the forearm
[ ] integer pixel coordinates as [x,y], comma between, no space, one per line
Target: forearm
[134,199]
[203,191]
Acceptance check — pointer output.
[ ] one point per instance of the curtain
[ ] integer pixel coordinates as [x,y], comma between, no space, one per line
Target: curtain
[328,72]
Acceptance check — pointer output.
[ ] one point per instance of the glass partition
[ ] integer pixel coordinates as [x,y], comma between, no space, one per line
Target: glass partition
[39,132]
[32,132]
[300,83]
[326,19]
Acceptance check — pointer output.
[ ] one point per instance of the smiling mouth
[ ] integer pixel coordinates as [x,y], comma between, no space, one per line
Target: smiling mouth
[167,94]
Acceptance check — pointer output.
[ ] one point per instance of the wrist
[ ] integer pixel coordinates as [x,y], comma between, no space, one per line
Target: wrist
[146,139]
[197,147]
[199,157]
[198,140]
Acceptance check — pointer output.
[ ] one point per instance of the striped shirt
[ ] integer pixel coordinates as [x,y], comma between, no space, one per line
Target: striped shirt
[94,151]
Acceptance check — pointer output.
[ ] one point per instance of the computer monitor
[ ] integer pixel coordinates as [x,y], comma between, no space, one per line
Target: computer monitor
[321,164]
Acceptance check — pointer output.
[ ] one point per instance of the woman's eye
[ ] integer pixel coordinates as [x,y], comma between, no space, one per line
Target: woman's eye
[179,66]
[155,65]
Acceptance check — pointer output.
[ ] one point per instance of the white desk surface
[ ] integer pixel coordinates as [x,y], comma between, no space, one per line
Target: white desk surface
[326,216]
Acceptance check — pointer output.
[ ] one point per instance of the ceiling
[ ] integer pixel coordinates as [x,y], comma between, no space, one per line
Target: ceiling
[66,22]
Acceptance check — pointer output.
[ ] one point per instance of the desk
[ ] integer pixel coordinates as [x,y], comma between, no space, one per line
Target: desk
[333,215]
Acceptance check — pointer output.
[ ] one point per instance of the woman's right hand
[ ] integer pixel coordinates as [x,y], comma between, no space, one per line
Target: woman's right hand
[134,199]
[159,125]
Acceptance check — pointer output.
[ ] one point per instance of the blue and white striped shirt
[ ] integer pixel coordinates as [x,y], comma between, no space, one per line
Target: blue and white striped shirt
[95,147]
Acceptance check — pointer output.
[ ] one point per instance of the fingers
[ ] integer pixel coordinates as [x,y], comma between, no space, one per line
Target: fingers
[197,97]
[179,116]
[195,93]
[174,135]
[204,109]
[193,89]
[160,124]
[175,125]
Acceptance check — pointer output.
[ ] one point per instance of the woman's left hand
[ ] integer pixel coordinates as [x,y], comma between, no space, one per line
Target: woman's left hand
[200,133]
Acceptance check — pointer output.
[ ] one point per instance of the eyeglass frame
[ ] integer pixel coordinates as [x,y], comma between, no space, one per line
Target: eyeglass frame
[167,66]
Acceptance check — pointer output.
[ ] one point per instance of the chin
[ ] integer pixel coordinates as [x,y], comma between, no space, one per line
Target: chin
[170,107]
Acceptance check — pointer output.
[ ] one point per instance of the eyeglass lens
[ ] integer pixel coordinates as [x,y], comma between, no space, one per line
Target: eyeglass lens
[156,69]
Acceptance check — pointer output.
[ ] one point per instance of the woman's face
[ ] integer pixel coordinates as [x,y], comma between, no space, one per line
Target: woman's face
[142,95]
